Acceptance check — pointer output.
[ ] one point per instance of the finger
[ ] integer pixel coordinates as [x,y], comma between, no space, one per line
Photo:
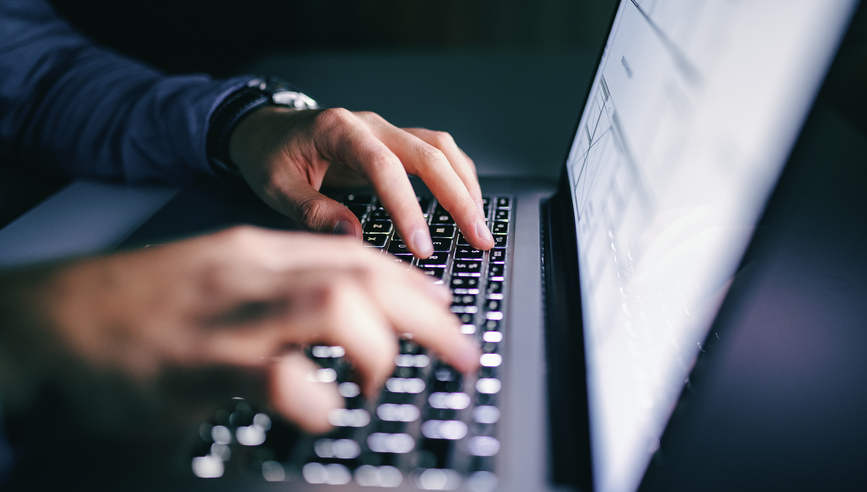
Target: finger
[318,213]
[301,398]
[354,145]
[409,309]
[430,164]
[460,161]
[351,320]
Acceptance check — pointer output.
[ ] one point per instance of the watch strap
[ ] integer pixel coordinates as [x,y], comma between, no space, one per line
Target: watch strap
[225,119]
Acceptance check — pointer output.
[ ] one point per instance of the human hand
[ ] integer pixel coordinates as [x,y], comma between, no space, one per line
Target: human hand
[166,333]
[286,155]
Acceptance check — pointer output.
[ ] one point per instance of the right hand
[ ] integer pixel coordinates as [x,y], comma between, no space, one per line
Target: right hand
[178,328]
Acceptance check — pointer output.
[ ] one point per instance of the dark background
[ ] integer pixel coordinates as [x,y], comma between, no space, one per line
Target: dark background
[224,37]
[217,37]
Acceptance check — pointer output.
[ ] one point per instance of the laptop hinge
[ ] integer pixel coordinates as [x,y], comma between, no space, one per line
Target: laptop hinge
[567,383]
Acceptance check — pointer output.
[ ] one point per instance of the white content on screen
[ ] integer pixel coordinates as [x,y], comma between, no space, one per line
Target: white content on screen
[690,119]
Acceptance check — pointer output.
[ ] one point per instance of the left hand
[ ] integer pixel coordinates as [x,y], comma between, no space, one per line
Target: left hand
[286,155]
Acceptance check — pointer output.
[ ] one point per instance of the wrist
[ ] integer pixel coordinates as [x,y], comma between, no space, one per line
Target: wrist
[235,108]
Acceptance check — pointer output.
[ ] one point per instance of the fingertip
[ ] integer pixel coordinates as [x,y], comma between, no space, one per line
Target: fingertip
[345,227]
[299,396]
[420,243]
[465,356]
[483,234]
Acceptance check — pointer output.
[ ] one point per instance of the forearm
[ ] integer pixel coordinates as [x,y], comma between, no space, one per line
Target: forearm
[73,109]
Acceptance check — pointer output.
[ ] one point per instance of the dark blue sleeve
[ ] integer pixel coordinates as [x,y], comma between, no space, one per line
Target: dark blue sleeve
[70,108]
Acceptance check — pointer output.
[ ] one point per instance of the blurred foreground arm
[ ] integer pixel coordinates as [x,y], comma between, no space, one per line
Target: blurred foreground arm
[166,333]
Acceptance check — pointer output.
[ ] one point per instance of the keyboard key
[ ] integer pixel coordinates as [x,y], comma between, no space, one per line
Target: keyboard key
[464,300]
[493,305]
[446,373]
[380,442]
[483,446]
[451,430]
[500,228]
[501,215]
[491,360]
[465,285]
[495,272]
[460,308]
[468,253]
[398,248]
[378,227]
[498,255]
[442,219]
[442,244]
[343,417]
[462,241]
[392,412]
[490,348]
[500,240]
[447,231]
[440,210]
[467,268]
[451,401]
[436,273]
[375,240]
[494,287]
[504,202]
[436,259]
[488,386]
[403,260]
[486,203]
[492,336]
[405,385]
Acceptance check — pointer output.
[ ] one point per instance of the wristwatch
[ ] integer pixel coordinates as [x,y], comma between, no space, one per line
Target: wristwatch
[258,92]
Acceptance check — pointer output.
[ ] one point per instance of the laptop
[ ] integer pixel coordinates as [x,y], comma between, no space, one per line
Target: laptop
[600,294]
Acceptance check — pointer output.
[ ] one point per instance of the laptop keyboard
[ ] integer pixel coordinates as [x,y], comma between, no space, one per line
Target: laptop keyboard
[432,427]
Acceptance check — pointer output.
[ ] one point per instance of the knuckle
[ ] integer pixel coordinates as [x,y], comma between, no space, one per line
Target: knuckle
[370,116]
[379,159]
[335,116]
[442,139]
[241,236]
[311,212]
[431,154]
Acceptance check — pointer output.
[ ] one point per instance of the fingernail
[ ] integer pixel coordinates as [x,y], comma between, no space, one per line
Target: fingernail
[483,232]
[481,206]
[343,228]
[420,240]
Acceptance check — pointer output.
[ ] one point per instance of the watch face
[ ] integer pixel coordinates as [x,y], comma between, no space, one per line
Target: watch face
[293,99]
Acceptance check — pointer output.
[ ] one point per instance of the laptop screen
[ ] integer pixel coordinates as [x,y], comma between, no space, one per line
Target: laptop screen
[693,111]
